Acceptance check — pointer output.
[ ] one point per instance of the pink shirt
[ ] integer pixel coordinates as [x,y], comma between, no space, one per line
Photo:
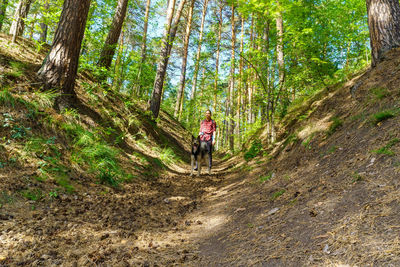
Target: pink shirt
[208,128]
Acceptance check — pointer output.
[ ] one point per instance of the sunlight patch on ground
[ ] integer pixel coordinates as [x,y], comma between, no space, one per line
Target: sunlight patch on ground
[318,126]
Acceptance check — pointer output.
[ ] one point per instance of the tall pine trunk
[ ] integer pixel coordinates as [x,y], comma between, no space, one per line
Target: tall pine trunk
[232,83]
[197,61]
[217,58]
[384,27]
[240,88]
[3,9]
[60,67]
[111,43]
[18,24]
[181,91]
[169,36]
[138,87]
[280,55]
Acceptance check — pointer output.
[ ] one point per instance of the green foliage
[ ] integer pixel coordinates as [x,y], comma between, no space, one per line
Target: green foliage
[385,150]
[356,177]
[91,149]
[277,194]
[6,98]
[45,99]
[32,194]
[266,177]
[19,132]
[379,92]
[332,149]
[254,150]
[336,123]
[17,69]
[382,116]
[307,142]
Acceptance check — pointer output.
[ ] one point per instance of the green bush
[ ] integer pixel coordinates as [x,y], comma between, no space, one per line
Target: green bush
[255,149]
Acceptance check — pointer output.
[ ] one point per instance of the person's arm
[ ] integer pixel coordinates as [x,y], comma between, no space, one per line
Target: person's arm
[214,131]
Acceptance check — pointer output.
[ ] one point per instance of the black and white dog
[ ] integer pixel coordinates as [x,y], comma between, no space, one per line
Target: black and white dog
[199,148]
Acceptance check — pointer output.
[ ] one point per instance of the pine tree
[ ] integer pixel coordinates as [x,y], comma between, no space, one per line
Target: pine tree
[60,67]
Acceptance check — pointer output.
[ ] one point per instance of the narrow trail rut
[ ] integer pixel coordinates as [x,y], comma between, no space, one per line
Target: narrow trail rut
[163,222]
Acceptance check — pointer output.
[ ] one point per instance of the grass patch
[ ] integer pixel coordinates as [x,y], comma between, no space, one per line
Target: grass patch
[382,116]
[356,177]
[17,69]
[332,149]
[277,194]
[266,177]
[307,142]
[255,149]
[336,123]
[90,149]
[32,194]
[6,98]
[386,150]
[379,92]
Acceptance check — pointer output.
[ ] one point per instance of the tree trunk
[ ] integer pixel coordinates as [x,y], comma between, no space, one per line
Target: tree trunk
[250,82]
[181,91]
[384,27]
[240,88]
[138,90]
[197,62]
[61,65]
[232,83]
[279,51]
[3,9]
[169,36]
[217,57]
[18,24]
[110,45]
[43,26]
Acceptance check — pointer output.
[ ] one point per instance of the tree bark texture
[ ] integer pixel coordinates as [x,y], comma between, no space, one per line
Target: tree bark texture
[384,27]
[169,36]
[138,90]
[182,83]
[3,9]
[279,51]
[18,24]
[110,45]
[60,67]
[232,83]
[217,58]
[197,62]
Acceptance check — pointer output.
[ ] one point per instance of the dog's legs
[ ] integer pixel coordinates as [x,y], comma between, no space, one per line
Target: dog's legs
[191,171]
[199,162]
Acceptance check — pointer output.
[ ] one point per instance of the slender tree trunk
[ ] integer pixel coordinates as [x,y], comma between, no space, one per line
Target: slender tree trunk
[181,91]
[118,66]
[138,90]
[18,24]
[217,57]
[61,65]
[240,88]
[250,82]
[3,9]
[279,53]
[197,61]
[108,51]
[43,26]
[384,27]
[232,82]
[169,37]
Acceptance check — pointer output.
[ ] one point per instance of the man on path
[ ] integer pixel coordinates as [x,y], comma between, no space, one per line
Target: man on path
[207,135]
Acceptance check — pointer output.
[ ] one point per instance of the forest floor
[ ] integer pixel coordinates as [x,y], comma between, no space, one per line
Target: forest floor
[326,194]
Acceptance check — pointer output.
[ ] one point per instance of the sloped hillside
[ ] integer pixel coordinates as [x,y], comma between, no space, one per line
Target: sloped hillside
[72,182]
[326,193]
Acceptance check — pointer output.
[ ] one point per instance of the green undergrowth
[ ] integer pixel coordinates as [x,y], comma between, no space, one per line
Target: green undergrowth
[90,149]
[386,150]
[383,115]
[336,123]
[254,150]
